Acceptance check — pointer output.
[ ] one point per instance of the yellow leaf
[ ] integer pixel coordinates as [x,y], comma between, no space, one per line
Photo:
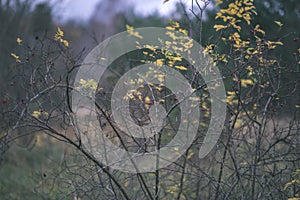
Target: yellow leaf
[131,32]
[279,43]
[180,67]
[60,32]
[176,58]
[147,99]
[219,27]
[219,2]
[128,27]
[36,114]
[15,57]
[278,23]
[150,47]
[161,77]
[195,98]
[190,155]
[161,101]
[183,31]
[257,29]
[159,62]
[82,82]
[66,43]
[170,28]
[230,93]
[19,41]
[246,82]
[176,24]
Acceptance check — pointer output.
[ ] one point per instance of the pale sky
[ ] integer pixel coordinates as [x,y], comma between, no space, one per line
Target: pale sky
[82,9]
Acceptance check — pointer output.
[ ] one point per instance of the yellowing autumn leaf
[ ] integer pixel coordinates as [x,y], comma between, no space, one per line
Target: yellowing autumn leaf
[58,37]
[19,41]
[257,29]
[177,58]
[175,24]
[246,82]
[195,98]
[150,47]
[133,33]
[183,31]
[170,28]
[190,155]
[219,27]
[128,27]
[36,114]
[180,67]
[66,43]
[230,93]
[159,62]
[278,23]
[219,2]
[15,57]
[279,43]
[161,77]
[82,81]
[59,32]
[147,99]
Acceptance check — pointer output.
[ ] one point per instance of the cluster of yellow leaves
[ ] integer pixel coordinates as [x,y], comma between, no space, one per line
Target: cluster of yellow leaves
[195,101]
[160,77]
[175,26]
[133,33]
[133,94]
[180,41]
[38,114]
[137,95]
[231,98]
[59,37]
[246,82]
[208,49]
[90,84]
[172,50]
[238,43]
[235,13]
[257,29]
[88,87]
[250,71]
[232,15]
[266,62]
[214,57]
